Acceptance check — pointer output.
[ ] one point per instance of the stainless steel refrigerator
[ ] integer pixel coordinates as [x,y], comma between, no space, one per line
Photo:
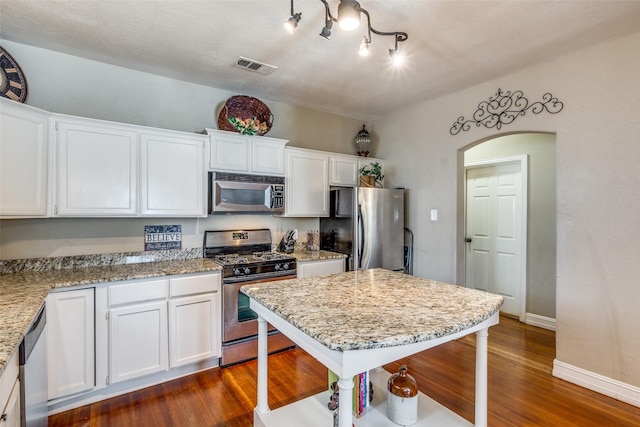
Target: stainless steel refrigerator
[367,224]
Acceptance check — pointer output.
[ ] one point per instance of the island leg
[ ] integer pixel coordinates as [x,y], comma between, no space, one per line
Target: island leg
[345,403]
[481,377]
[263,397]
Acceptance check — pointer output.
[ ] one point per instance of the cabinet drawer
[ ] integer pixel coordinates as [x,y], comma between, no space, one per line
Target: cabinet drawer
[138,291]
[194,285]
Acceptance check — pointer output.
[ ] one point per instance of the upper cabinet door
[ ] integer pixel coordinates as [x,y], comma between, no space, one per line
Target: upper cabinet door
[307,183]
[344,171]
[233,152]
[267,155]
[229,152]
[97,168]
[172,175]
[24,154]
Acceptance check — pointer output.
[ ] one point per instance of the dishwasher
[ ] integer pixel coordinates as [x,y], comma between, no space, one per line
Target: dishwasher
[33,373]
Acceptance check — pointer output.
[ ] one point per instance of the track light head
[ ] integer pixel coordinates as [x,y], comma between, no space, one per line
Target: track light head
[349,15]
[291,23]
[364,47]
[396,57]
[326,30]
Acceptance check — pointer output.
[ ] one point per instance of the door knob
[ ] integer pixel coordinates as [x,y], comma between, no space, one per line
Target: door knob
[468,240]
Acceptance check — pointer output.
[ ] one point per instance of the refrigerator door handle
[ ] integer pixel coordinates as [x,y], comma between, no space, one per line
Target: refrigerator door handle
[361,237]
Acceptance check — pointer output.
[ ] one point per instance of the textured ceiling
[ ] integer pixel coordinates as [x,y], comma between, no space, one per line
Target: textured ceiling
[451,45]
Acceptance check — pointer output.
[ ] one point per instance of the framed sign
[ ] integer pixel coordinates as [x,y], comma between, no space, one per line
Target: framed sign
[162,237]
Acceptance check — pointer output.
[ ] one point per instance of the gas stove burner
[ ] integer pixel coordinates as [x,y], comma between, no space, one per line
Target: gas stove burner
[231,259]
[268,256]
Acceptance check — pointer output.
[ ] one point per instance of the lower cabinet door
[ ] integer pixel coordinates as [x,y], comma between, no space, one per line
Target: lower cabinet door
[138,340]
[10,414]
[70,342]
[194,329]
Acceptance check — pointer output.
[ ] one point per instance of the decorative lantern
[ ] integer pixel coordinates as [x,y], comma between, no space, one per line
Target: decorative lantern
[363,142]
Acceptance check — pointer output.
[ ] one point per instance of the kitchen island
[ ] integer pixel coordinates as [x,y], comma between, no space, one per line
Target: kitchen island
[357,321]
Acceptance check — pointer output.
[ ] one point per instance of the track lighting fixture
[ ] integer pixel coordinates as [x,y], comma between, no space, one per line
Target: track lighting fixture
[396,57]
[291,23]
[349,14]
[364,47]
[328,23]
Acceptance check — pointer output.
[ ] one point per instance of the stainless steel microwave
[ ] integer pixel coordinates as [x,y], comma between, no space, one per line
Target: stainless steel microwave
[241,193]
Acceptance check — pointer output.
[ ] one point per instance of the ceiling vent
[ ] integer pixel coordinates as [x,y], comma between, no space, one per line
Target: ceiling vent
[253,65]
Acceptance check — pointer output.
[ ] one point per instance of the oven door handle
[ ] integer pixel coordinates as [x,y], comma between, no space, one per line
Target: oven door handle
[289,274]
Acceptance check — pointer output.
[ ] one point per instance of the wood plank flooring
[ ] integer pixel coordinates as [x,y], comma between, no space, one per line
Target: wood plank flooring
[522,391]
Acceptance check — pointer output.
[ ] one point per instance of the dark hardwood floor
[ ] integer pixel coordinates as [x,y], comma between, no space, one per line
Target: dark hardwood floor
[522,391]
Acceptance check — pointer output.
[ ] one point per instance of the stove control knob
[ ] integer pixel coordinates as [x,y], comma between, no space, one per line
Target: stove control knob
[277,267]
[246,270]
[236,271]
[285,266]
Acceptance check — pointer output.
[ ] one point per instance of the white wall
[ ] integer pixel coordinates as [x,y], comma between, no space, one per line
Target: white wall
[541,211]
[68,84]
[598,196]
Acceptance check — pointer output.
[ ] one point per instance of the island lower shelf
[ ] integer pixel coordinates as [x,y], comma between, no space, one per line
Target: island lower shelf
[313,412]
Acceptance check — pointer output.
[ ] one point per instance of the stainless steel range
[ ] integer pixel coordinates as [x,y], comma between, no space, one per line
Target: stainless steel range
[246,258]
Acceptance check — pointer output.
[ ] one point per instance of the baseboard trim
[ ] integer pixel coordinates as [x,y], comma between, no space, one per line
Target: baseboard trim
[604,385]
[540,321]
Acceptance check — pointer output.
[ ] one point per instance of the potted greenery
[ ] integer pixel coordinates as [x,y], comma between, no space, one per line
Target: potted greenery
[371,175]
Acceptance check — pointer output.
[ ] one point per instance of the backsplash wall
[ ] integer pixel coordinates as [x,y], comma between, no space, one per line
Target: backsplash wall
[55,237]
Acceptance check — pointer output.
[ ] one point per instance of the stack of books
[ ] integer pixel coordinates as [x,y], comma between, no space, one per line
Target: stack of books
[361,391]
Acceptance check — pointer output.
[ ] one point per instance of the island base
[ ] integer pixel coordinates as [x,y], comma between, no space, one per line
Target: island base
[313,412]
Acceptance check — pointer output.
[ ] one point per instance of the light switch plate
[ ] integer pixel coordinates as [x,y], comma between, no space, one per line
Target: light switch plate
[434,214]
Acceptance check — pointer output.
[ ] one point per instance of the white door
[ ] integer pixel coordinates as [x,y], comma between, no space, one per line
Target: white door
[172,175]
[138,337]
[194,329]
[70,342]
[495,232]
[97,168]
[307,179]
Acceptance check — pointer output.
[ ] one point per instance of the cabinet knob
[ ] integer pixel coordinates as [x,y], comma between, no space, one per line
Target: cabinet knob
[468,240]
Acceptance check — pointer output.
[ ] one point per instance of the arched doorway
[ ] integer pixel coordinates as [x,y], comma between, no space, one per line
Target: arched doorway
[540,215]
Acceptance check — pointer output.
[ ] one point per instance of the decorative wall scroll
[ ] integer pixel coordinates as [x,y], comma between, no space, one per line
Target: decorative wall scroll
[504,108]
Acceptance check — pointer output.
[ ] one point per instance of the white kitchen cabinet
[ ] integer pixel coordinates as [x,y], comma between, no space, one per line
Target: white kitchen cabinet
[307,183]
[10,394]
[234,152]
[172,175]
[138,329]
[344,171]
[70,342]
[97,168]
[194,319]
[24,160]
[320,268]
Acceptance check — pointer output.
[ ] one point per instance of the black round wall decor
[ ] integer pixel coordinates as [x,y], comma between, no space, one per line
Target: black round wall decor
[13,84]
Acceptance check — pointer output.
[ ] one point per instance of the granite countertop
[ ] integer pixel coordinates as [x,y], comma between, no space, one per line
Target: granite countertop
[23,293]
[374,308]
[303,255]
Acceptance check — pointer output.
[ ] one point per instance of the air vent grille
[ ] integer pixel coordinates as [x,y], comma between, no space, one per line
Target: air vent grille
[253,65]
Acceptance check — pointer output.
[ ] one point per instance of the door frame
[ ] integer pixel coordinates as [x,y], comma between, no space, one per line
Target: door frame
[523,160]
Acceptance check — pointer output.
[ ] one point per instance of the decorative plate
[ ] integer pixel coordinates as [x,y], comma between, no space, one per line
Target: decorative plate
[13,85]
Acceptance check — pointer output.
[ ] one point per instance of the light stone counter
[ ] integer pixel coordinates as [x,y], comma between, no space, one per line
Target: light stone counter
[303,255]
[23,293]
[374,308]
